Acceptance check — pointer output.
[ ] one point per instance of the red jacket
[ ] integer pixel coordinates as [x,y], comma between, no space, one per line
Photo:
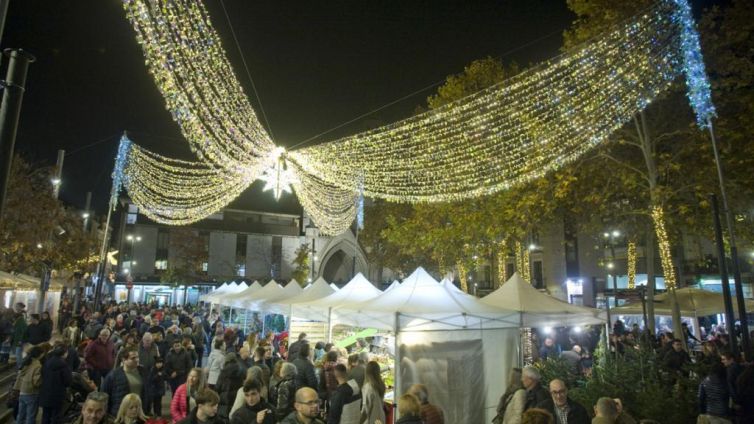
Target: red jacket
[99,356]
[179,404]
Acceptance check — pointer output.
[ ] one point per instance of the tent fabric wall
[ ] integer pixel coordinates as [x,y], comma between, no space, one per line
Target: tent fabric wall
[465,371]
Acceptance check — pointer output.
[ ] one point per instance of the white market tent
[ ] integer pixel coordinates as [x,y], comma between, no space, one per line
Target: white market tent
[318,290]
[357,290]
[230,288]
[421,303]
[392,285]
[537,309]
[443,333]
[220,290]
[230,299]
[692,302]
[271,293]
[248,301]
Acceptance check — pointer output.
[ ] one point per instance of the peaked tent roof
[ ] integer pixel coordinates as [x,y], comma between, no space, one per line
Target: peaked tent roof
[693,302]
[229,299]
[357,290]
[315,291]
[262,300]
[392,285]
[230,289]
[539,309]
[250,301]
[219,290]
[421,303]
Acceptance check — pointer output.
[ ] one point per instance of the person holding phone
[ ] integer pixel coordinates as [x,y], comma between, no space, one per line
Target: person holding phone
[255,408]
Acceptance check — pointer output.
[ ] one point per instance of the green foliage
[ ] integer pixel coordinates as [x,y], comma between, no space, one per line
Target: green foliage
[189,251]
[33,218]
[646,390]
[302,262]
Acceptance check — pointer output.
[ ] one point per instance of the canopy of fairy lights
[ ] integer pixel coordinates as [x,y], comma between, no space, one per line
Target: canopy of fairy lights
[493,140]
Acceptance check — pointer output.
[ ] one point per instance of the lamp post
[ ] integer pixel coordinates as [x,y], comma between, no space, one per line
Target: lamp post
[610,238]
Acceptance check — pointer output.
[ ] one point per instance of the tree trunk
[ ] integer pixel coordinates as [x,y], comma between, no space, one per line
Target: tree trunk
[650,257]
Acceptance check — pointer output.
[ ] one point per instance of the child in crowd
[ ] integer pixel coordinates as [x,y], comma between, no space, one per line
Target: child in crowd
[156,388]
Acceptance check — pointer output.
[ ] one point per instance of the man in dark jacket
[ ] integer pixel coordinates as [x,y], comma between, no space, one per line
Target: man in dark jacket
[178,363]
[345,402]
[56,377]
[535,393]
[230,380]
[295,347]
[307,408]
[563,409]
[130,378]
[677,358]
[255,409]
[305,375]
[35,332]
[205,412]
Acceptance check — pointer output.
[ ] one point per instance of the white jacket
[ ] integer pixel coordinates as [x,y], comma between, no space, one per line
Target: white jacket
[215,364]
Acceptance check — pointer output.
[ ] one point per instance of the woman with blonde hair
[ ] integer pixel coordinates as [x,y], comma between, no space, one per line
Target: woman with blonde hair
[409,409]
[184,398]
[130,411]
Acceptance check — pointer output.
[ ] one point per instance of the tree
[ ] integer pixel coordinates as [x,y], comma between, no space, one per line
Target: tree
[37,229]
[303,266]
[661,161]
[188,254]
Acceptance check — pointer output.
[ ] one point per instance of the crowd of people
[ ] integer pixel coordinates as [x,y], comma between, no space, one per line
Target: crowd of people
[725,390]
[127,360]
[122,362]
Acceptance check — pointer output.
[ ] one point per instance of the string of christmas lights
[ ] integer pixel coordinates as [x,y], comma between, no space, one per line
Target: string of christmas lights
[498,138]
[631,256]
[502,262]
[666,258]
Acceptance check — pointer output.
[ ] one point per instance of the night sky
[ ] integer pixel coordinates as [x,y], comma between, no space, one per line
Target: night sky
[316,65]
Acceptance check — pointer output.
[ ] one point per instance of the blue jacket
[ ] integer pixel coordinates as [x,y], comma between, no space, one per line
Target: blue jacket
[116,386]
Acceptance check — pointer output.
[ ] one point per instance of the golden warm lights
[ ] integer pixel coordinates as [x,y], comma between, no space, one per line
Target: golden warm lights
[495,139]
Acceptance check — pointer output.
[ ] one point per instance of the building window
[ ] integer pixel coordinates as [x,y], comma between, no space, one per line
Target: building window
[241,270]
[205,266]
[161,264]
[133,211]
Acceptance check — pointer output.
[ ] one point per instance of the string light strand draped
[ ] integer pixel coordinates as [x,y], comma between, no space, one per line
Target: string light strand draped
[498,138]
[631,256]
[666,257]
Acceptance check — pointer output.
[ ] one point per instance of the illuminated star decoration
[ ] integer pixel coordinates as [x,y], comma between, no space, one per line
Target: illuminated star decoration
[278,177]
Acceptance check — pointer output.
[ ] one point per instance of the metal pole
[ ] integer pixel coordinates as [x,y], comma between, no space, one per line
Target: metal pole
[746,342]
[3,14]
[10,110]
[314,255]
[102,259]
[729,323]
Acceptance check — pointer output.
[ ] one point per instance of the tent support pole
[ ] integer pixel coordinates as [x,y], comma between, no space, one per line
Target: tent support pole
[329,324]
[520,339]
[397,368]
